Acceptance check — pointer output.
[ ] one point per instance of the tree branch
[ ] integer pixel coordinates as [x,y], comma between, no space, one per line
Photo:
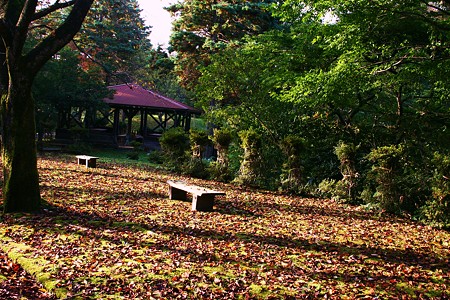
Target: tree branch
[24,21]
[104,68]
[54,42]
[56,6]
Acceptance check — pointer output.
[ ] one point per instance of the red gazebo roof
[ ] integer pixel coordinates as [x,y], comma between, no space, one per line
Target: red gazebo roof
[133,95]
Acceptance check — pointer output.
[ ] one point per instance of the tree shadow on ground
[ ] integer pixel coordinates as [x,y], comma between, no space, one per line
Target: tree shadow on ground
[92,226]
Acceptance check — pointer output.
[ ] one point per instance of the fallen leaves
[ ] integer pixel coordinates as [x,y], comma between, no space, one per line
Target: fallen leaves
[112,232]
[15,283]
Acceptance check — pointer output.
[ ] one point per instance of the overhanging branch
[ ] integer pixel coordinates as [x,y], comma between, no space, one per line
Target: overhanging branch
[56,6]
[54,42]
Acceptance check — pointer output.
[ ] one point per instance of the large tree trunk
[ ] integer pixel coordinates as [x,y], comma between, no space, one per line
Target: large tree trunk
[17,72]
[21,179]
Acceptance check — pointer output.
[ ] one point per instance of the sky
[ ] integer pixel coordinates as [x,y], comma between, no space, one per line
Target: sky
[160,20]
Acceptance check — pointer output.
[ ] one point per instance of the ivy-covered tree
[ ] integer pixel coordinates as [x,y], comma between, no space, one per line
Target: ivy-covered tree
[20,65]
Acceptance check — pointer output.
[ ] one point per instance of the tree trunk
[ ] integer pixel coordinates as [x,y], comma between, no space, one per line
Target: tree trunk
[17,72]
[21,179]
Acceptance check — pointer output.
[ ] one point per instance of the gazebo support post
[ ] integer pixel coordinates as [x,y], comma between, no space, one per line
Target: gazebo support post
[116,124]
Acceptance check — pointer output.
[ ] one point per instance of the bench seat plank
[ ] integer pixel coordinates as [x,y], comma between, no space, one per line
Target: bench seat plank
[202,198]
[193,189]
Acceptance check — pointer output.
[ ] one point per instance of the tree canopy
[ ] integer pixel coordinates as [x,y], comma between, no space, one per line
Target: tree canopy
[208,26]
[114,35]
[369,74]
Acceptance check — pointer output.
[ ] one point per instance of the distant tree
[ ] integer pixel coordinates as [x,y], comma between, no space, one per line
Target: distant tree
[115,36]
[58,90]
[159,74]
[18,18]
[206,27]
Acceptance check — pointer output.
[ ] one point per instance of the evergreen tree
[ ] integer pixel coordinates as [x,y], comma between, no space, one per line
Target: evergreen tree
[204,27]
[115,36]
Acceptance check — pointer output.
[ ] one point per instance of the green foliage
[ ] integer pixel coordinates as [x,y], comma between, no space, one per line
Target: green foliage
[174,145]
[137,148]
[220,169]
[63,85]
[78,148]
[156,156]
[222,138]
[115,35]
[206,27]
[346,153]
[195,166]
[345,189]
[341,71]
[436,211]
[387,173]
[250,171]
[333,189]
[199,140]
[292,177]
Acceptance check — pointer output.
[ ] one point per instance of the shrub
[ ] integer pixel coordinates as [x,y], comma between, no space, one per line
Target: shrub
[156,157]
[346,189]
[387,174]
[174,145]
[78,148]
[219,169]
[436,211]
[137,147]
[195,166]
[250,172]
[333,189]
[292,170]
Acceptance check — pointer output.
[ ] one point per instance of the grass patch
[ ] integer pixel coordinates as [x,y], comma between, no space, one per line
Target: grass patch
[39,268]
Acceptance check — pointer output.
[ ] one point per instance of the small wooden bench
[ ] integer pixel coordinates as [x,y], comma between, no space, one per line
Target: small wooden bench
[202,198]
[88,161]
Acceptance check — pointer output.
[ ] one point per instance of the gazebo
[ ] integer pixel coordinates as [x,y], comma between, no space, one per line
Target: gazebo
[157,112]
[114,123]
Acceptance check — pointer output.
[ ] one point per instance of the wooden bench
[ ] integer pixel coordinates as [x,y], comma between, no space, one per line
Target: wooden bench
[88,161]
[202,198]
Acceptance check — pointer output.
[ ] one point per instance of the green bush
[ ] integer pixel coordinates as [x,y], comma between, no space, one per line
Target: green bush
[250,172]
[219,170]
[346,189]
[387,174]
[436,211]
[174,145]
[332,188]
[137,148]
[156,157]
[292,178]
[195,165]
[78,148]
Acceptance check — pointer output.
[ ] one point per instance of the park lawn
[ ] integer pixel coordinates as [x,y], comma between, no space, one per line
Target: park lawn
[112,233]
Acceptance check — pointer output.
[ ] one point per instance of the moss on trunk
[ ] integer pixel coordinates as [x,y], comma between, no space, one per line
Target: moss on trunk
[21,179]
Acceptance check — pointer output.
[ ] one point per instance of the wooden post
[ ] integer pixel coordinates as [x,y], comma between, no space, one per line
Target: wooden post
[177,194]
[203,203]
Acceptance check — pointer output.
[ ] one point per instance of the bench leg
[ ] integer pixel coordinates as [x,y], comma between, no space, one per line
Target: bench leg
[203,203]
[91,163]
[82,161]
[176,194]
